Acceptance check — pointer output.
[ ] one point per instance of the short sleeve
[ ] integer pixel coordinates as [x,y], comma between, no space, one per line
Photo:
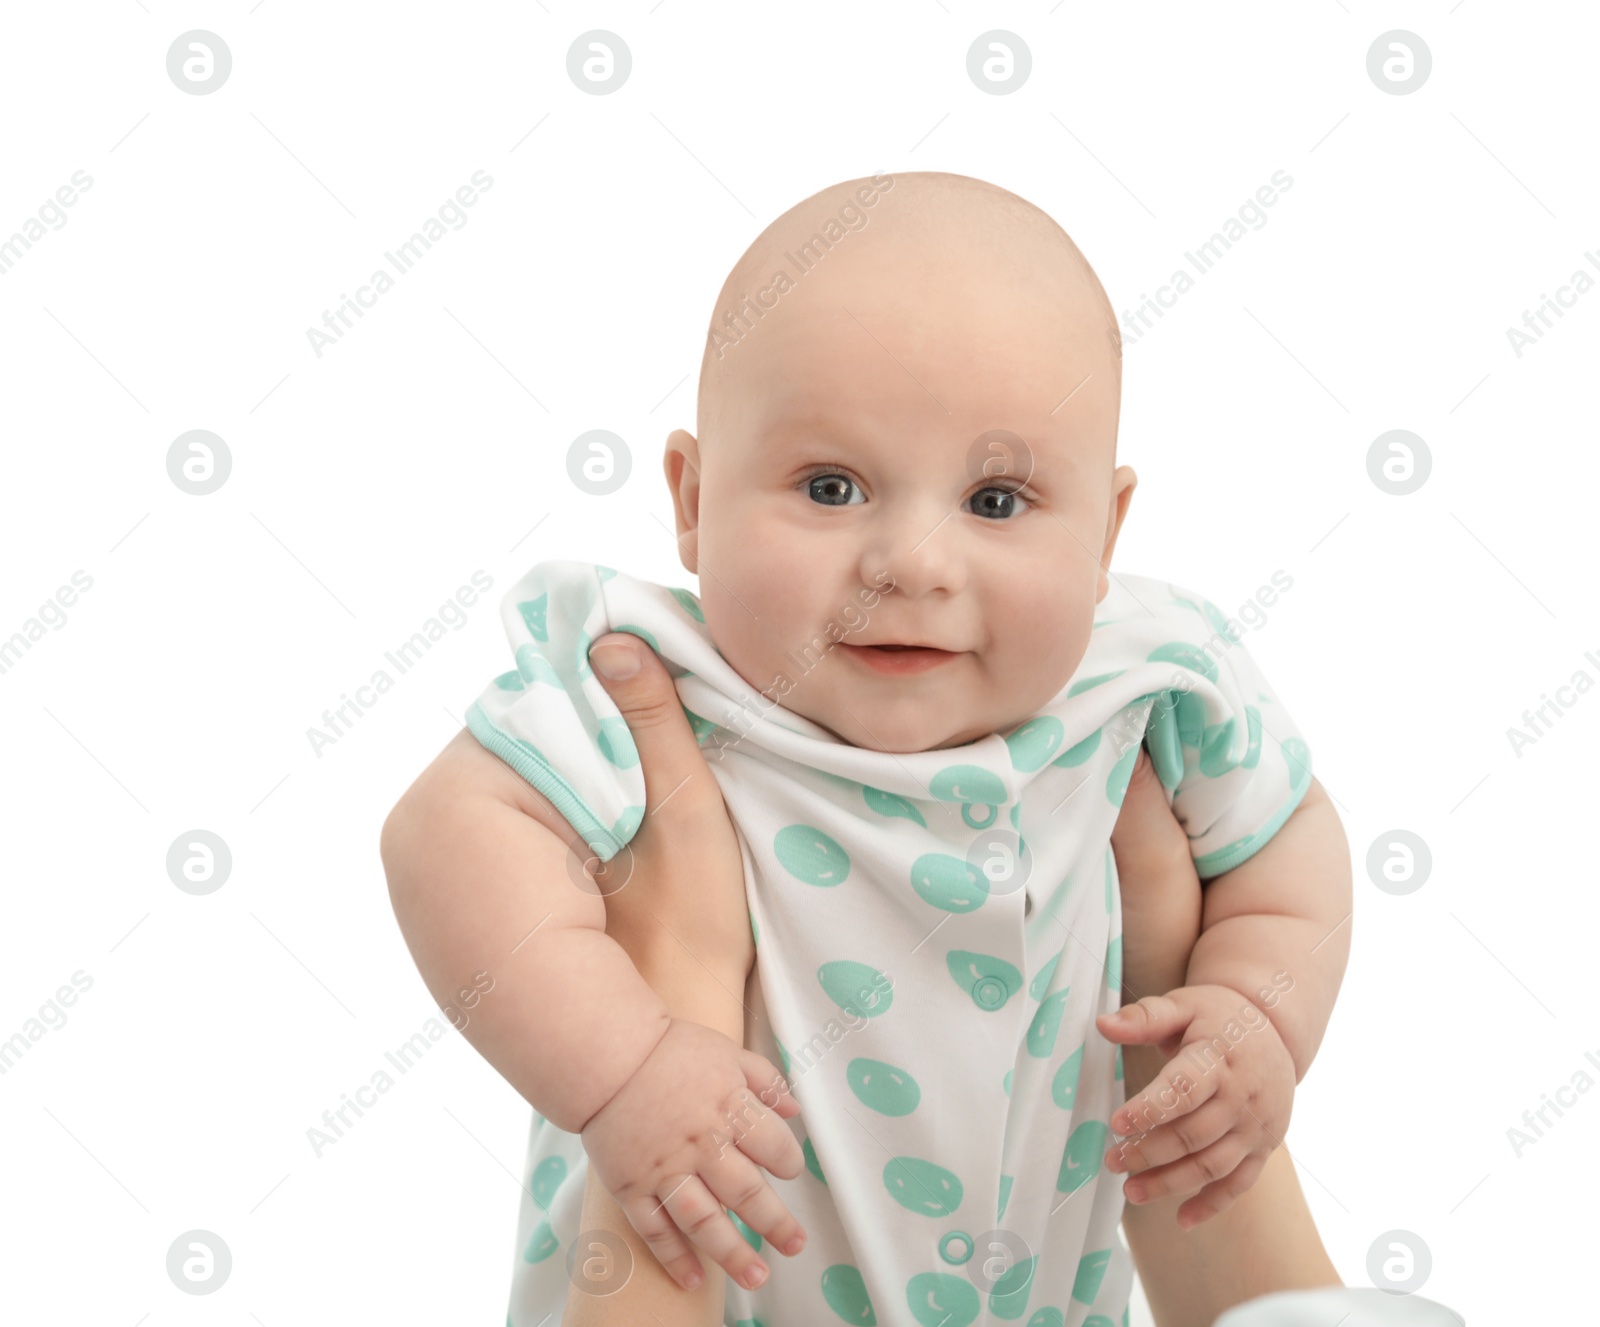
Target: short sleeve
[549,717]
[1231,758]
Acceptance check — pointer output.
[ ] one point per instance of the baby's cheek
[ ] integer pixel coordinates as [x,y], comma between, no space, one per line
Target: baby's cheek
[1044,661]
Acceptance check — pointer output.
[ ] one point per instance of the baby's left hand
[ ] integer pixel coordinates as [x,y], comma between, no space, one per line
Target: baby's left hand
[1220,1104]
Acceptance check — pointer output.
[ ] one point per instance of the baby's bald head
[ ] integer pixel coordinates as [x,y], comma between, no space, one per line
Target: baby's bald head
[909,403]
[940,231]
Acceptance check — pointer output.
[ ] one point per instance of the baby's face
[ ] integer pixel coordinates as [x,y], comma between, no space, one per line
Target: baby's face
[842,500]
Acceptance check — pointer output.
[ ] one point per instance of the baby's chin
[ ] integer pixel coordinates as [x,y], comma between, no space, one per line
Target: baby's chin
[861,719]
[853,722]
[871,730]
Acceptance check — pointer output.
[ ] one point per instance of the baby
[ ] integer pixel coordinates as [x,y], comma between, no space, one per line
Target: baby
[922,695]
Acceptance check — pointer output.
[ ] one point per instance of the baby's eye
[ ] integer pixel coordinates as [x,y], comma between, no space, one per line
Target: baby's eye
[826,488]
[997,502]
[832,488]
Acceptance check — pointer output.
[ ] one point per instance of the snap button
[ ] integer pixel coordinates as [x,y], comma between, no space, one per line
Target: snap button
[989,992]
[967,814]
[956,1259]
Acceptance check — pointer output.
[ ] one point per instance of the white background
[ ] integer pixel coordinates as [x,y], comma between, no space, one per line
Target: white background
[370,483]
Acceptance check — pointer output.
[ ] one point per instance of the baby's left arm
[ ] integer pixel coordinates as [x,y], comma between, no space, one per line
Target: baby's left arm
[1274,928]
[1259,992]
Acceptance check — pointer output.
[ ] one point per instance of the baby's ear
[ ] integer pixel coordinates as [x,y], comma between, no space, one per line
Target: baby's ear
[680,462]
[1123,482]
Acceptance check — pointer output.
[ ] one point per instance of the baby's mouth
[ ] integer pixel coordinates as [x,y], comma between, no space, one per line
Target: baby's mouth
[905,658]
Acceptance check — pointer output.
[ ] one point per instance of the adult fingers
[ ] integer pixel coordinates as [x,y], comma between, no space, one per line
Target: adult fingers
[1161,895]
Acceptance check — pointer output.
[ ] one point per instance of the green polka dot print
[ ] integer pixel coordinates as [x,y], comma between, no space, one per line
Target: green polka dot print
[934,1016]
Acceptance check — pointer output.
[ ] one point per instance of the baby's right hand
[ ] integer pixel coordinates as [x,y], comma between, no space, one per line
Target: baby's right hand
[685,1137]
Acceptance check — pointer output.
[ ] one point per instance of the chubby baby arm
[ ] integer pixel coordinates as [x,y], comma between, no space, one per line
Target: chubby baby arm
[1276,929]
[1266,1241]
[1244,1027]
[480,884]
[479,869]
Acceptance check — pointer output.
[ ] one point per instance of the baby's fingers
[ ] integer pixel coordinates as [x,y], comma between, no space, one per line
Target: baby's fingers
[1152,1020]
[1172,1093]
[768,1084]
[761,1136]
[701,1217]
[1171,1142]
[650,1219]
[738,1185]
[1219,1195]
[1217,1162]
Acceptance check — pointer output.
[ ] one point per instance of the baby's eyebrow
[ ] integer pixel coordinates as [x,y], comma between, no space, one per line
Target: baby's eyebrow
[811,423]
[1060,458]
[1055,459]
[790,434]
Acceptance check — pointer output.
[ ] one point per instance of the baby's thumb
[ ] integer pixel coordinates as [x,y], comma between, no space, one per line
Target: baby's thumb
[1153,1018]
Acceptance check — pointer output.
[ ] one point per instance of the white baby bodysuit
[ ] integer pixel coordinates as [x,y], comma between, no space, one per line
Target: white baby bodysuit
[935,933]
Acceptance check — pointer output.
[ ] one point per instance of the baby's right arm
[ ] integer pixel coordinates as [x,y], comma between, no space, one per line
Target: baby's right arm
[479,878]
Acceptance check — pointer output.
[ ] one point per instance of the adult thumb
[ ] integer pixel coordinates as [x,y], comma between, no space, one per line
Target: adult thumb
[638,682]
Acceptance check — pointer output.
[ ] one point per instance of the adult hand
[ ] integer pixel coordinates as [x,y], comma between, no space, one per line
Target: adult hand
[682,872]
[1159,886]
[677,892]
